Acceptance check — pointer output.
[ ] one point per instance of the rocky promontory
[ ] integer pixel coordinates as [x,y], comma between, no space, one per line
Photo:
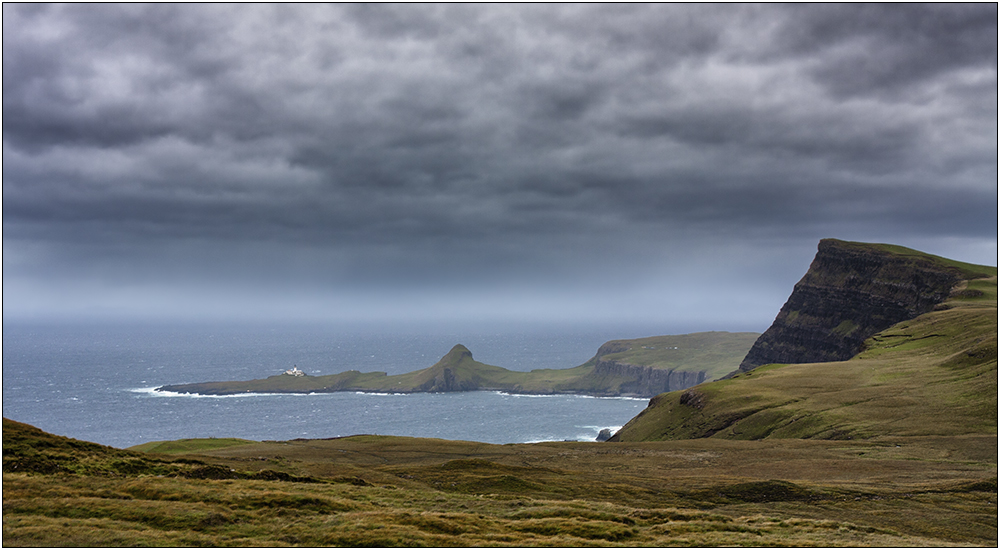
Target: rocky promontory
[641,367]
[646,380]
[850,292]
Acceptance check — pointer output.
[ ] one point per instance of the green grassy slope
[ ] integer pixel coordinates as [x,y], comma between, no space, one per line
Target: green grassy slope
[963,269]
[30,451]
[935,374]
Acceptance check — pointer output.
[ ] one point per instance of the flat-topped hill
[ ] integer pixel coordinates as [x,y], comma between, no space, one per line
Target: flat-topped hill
[932,374]
[657,364]
[642,367]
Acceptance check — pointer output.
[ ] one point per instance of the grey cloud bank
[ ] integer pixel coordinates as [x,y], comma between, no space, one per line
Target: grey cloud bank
[467,161]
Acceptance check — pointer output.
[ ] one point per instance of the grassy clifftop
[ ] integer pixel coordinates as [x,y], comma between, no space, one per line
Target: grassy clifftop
[715,353]
[935,374]
[963,270]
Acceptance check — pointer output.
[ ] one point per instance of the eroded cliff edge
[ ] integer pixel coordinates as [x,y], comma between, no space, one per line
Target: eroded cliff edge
[850,292]
[650,366]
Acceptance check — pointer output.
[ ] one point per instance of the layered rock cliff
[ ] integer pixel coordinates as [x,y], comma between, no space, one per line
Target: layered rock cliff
[850,292]
[647,381]
[644,380]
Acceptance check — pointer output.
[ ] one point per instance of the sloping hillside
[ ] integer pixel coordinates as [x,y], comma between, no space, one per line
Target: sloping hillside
[935,374]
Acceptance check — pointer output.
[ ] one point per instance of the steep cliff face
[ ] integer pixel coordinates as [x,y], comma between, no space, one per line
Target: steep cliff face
[850,292]
[648,366]
[647,381]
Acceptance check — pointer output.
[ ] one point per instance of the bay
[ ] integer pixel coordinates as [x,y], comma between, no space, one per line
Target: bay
[95,381]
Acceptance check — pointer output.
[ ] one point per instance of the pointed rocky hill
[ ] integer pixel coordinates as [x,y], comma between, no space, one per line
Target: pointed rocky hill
[456,371]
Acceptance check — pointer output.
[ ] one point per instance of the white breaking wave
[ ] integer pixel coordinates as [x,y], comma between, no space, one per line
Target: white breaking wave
[152,391]
[574,395]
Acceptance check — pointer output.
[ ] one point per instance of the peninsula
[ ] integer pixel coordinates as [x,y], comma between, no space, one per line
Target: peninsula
[641,367]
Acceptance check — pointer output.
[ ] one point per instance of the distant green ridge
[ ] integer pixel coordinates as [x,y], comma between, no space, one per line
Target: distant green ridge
[643,367]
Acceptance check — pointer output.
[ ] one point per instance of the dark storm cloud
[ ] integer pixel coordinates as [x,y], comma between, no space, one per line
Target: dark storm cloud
[881,48]
[532,146]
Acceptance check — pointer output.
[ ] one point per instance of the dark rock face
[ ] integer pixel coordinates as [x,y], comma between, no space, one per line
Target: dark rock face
[443,382]
[850,292]
[645,380]
[604,434]
[447,378]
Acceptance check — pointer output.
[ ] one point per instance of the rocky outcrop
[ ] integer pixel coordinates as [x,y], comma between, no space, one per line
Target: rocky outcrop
[850,292]
[448,381]
[647,381]
[456,371]
[604,434]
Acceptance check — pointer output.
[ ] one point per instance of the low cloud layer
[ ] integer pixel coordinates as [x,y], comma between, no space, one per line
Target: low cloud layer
[378,159]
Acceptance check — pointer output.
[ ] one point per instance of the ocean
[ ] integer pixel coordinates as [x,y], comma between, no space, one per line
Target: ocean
[95,381]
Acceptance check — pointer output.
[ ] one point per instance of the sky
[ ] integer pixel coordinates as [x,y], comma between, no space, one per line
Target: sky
[675,164]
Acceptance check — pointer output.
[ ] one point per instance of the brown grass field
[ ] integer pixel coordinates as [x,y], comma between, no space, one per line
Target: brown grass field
[397,491]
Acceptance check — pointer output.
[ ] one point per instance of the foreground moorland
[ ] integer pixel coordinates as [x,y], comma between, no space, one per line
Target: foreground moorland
[390,491]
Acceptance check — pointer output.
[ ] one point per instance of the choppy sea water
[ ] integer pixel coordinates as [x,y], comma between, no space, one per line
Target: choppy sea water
[95,382]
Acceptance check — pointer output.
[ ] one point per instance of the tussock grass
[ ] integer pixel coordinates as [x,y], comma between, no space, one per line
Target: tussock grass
[187,446]
[397,491]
